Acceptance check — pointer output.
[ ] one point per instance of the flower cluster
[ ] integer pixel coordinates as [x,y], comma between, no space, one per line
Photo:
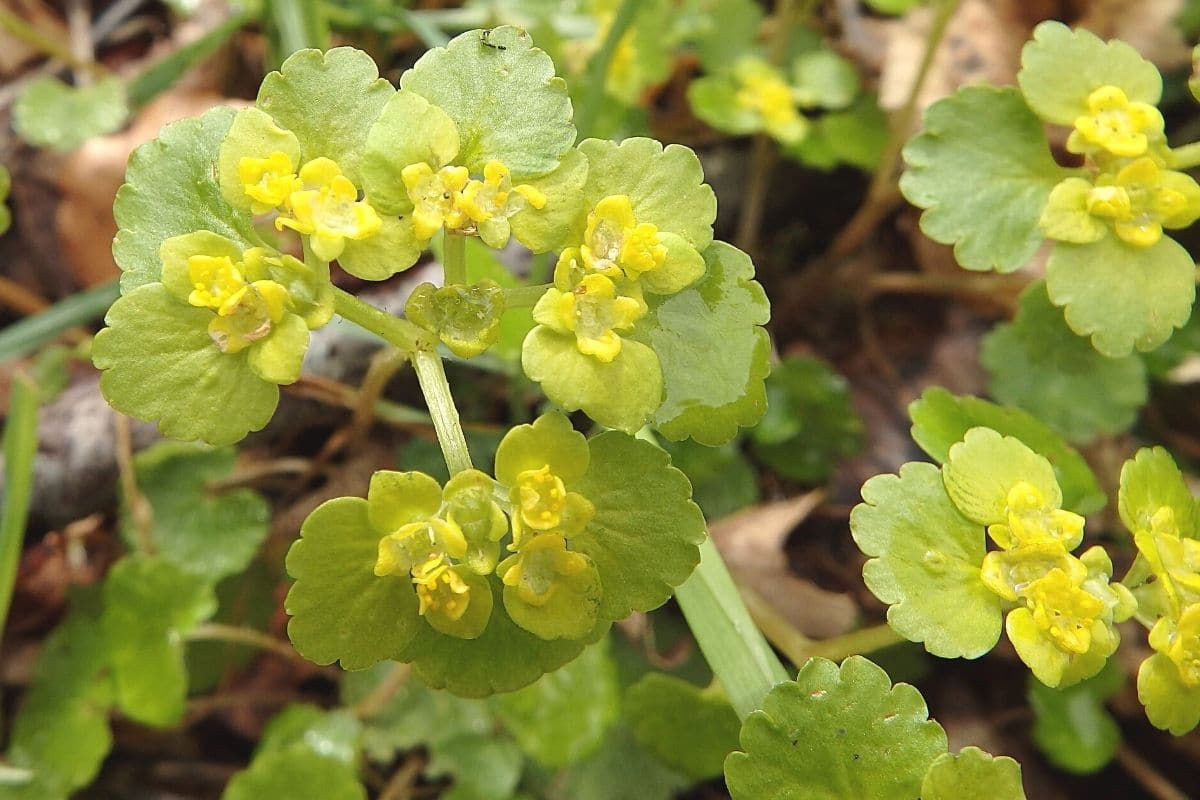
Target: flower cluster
[1128,186]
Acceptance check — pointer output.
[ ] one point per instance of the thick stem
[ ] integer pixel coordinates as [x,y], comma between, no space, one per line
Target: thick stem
[399,333]
[735,649]
[454,258]
[435,387]
[597,70]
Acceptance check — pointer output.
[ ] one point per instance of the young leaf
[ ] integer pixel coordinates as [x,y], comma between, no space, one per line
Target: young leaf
[689,729]
[1171,704]
[925,565]
[502,93]
[408,131]
[48,113]
[296,773]
[1038,363]
[836,733]
[1150,481]
[564,716]
[208,534]
[329,101]
[991,218]
[340,609]
[1060,67]
[332,734]
[1120,295]
[149,606]
[645,536]
[985,466]
[1071,726]
[941,419]
[621,770]
[484,767]
[171,190]
[712,350]
[160,365]
[972,773]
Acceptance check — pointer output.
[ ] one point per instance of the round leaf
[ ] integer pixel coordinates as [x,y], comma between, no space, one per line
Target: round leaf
[984,467]
[973,773]
[297,774]
[688,728]
[1150,481]
[1120,295]
[48,113]
[925,563]
[1072,727]
[545,229]
[551,442]
[170,189]
[1171,705]
[394,248]
[409,131]
[982,171]
[646,533]
[160,365]
[341,611]
[253,134]
[713,353]
[833,734]
[502,93]
[1060,67]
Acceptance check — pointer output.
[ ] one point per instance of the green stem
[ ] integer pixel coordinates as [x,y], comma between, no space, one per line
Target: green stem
[525,296]
[218,632]
[1186,156]
[398,332]
[735,649]
[454,258]
[446,424]
[597,70]
[20,446]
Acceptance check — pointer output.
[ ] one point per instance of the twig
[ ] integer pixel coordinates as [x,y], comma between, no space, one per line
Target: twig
[140,510]
[79,26]
[383,366]
[1145,774]
[379,697]
[216,631]
[249,476]
[400,786]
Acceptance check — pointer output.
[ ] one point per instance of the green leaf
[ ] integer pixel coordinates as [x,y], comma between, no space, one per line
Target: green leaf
[161,365]
[409,131]
[340,610]
[245,600]
[502,93]
[48,113]
[1120,295]
[1071,726]
[297,774]
[252,134]
[1150,481]
[1171,705]
[726,30]
[982,171]
[893,6]
[1060,67]
[622,394]
[61,730]
[646,532]
[712,349]
[550,441]
[723,479]
[504,658]
[484,767]
[665,185]
[621,770]
[689,729]
[713,98]
[941,419]
[827,79]
[149,606]
[329,100]
[984,467]
[393,249]
[836,733]
[809,424]
[329,734]
[564,716]
[171,189]
[1039,364]
[925,563]
[207,534]
[972,773]
[545,229]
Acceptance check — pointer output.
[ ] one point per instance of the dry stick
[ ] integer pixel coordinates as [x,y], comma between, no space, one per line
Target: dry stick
[79,26]
[382,368]
[400,786]
[218,632]
[379,697]
[1145,774]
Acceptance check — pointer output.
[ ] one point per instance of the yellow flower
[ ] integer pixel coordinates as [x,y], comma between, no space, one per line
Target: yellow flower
[1180,642]
[268,182]
[1063,611]
[435,197]
[538,569]
[1114,124]
[1142,199]
[405,549]
[1009,573]
[1174,559]
[1030,519]
[495,196]
[762,90]
[328,210]
[440,589]
[245,311]
[594,312]
[615,243]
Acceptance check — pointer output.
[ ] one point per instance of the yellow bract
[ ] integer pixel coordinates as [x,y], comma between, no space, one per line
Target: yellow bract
[245,310]
[1142,199]
[327,209]
[762,90]
[268,182]
[449,198]
[1116,125]
[405,549]
[536,571]
[616,244]
[594,312]
[1031,519]
[1180,642]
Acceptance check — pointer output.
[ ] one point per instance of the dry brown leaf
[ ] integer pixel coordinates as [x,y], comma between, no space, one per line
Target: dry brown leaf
[752,544]
[1148,25]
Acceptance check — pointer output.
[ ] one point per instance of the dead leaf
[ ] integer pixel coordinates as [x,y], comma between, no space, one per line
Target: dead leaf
[752,544]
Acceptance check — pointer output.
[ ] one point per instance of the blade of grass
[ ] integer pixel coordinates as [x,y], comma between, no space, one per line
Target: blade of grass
[298,24]
[78,309]
[164,73]
[597,69]
[20,446]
